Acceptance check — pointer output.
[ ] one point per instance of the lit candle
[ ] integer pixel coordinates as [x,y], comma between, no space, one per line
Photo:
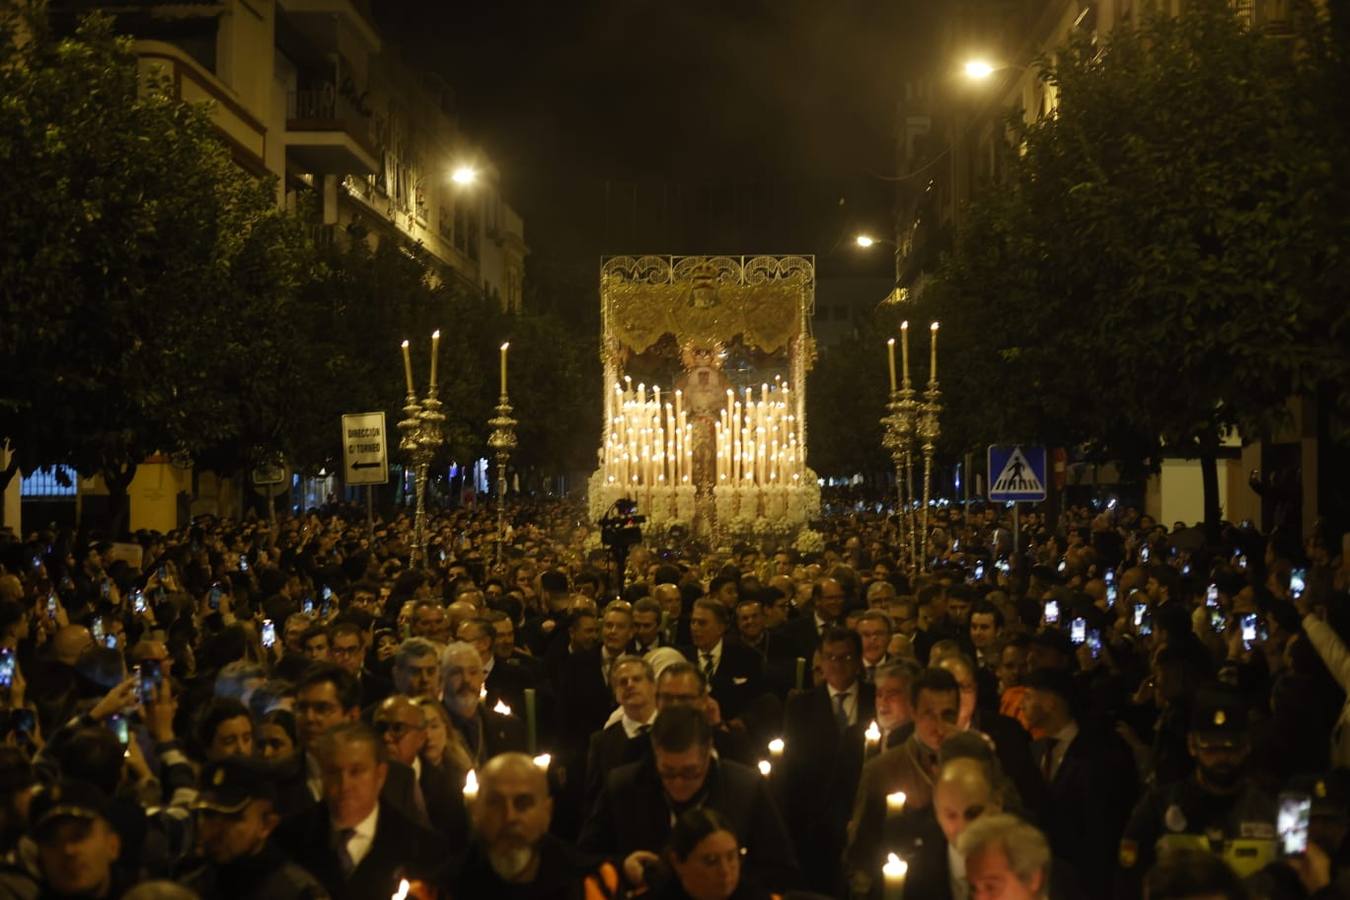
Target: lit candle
[543,760]
[470,786]
[872,735]
[904,349]
[894,872]
[765,768]
[402,892]
[435,344]
[776,747]
[501,708]
[505,347]
[890,353]
[932,348]
[895,803]
[407,366]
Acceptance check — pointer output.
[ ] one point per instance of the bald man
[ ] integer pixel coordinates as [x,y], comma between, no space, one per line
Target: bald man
[962,793]
[513,852]
[70,643]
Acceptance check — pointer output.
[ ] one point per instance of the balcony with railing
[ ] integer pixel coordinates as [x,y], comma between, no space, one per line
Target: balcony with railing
[328,134]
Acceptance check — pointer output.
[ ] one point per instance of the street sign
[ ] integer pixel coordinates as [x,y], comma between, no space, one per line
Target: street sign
[269,473]
[365,452]
[1016,473]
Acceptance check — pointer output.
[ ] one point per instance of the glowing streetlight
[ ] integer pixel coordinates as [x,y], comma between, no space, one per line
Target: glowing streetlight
[464,175]
[864,240]
[978,69]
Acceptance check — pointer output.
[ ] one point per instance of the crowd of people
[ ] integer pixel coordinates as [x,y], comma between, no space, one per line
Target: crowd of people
[1100,707]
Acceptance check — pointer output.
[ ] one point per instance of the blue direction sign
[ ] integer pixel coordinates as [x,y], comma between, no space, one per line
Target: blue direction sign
[1016,473]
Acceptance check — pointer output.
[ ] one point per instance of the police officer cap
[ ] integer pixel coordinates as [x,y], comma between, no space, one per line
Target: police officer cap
[65,800]
[231,784]
[1219,713]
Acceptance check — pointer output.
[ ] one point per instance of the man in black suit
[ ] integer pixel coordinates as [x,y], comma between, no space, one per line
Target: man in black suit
[401,725]
[584,695]
[734,672]
[799,637]
[1011,741]
[505,683]
[357,845]
[823,758]
[964,790]
[347,647]
[674,623]
[486,732]
[326,696]
[647,621]
[624,741]
[1090,780]
[640,800]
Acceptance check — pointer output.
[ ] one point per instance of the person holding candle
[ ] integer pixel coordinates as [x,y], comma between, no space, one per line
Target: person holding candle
[512,853]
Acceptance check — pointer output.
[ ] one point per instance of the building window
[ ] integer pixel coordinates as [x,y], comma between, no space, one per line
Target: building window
[54,481]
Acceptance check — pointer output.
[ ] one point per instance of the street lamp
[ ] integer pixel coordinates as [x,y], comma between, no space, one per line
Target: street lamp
[978,69]
[464,175]
[864,240]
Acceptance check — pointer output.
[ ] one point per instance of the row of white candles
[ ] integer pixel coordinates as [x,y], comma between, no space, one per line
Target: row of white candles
[757,439]
[648,443]
[904,348]
[435,355]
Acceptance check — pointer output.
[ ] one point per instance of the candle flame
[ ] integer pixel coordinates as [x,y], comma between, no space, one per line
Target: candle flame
[895,866]
[890,341]
[873,733]
[904,326]
[776,745]
[896,800]
[403,888]
[404,345]
[933,327]
[504,346]
[435,335]
[471,782]
[482,692]
[501,708]
[765,768]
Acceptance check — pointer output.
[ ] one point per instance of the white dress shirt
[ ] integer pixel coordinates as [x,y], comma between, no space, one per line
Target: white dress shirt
[956,867]
[850,702]
[363,836]
[633,728]
[715,652]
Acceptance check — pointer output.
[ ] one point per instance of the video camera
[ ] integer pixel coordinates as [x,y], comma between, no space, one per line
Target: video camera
[621,527]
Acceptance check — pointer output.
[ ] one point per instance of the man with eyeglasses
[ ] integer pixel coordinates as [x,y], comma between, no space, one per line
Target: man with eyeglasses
[401,724]
[824,732]
[682,684]
[347,648]
[640,800]
[327,696]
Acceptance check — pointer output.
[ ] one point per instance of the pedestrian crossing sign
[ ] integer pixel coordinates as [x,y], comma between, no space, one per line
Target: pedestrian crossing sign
[1016,473]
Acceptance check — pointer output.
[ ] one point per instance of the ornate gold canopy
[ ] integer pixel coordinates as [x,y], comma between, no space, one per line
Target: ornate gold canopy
[765,300]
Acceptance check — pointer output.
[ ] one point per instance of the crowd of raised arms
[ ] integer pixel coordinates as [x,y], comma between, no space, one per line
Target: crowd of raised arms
[303,709]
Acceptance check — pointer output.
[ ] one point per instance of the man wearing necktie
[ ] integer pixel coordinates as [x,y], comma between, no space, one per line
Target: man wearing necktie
[823,757]
[355,844]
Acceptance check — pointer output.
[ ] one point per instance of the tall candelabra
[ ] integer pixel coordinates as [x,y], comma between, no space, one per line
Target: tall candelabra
[901,426]
[423,435]
[928,431]
[502,441]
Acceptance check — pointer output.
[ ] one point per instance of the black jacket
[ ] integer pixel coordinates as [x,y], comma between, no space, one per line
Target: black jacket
[400,849]
[633,813]
[738,680]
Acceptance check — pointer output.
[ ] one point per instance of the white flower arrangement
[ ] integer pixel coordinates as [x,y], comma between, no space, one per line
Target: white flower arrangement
[809,541]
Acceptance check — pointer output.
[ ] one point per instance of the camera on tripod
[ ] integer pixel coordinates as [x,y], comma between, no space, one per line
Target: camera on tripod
[621,527]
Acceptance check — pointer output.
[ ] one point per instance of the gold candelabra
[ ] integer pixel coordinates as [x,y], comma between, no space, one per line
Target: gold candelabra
[502,441]
[928,432]
[901,426]
[423,436]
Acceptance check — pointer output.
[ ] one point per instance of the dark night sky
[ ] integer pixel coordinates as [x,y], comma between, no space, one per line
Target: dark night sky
[684,125]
